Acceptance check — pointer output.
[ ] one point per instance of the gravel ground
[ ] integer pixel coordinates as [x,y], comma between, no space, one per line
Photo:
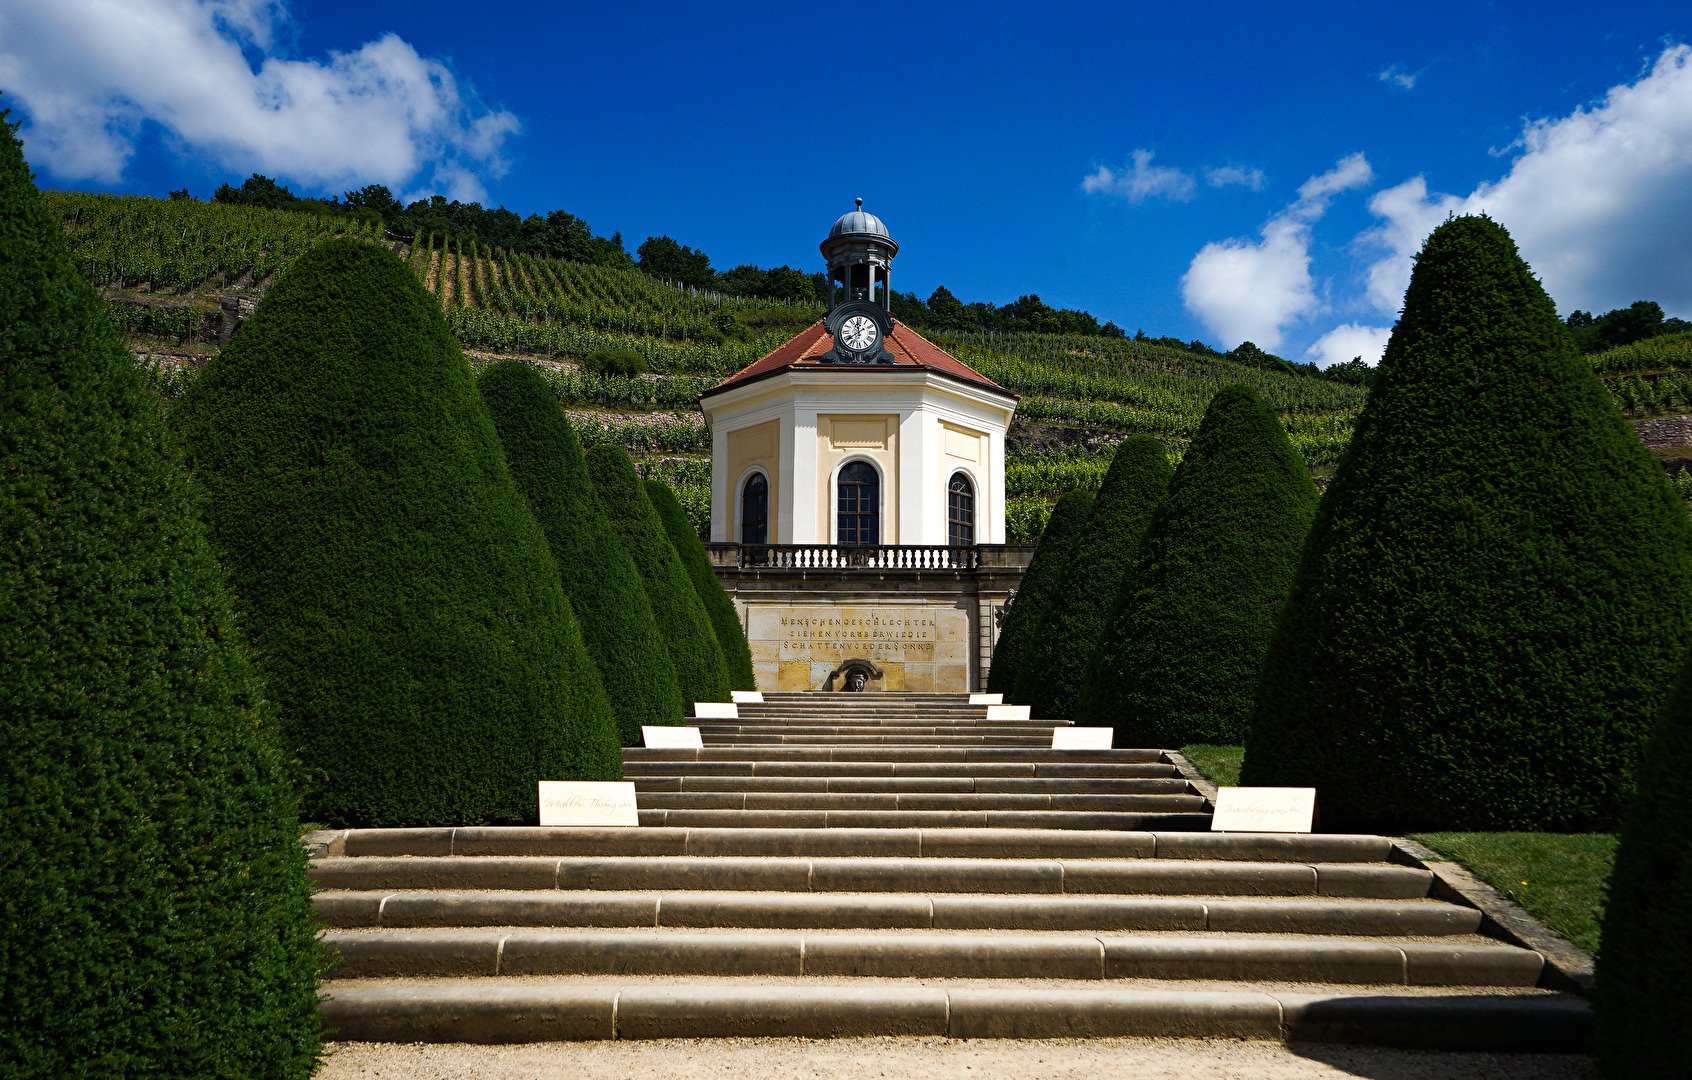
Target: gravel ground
[933,1059]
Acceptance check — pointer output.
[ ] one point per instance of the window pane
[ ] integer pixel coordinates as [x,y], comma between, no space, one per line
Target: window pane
[960,511]
[755,510]
[859,500]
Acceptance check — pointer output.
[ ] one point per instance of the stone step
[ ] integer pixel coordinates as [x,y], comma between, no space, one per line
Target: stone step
[1092,877]
[922,728]
[354,845]
[982,754]
[918,739]
[923,819]
[1033,770]
[907,801]
[916,784]
[552,1009]
[449,953]
[888,911]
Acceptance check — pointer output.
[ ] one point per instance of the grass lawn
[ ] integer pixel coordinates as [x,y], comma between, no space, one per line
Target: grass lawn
[1219,764]
[1558,877]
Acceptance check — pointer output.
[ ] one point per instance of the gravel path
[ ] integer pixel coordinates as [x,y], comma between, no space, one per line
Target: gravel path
[932,1059]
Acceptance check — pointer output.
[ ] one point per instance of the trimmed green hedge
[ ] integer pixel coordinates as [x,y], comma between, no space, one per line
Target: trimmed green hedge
[605,590]
[409,616]
[1497,590]
[1045,572]
[1645,958]
[1182,655]
[725,621]
[1050,677]
[157,917]
[700,667]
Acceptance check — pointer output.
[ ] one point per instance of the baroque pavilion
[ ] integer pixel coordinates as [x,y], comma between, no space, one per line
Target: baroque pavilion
[858,493]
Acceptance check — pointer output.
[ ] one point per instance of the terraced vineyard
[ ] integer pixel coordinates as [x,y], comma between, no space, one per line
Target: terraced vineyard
[165,264]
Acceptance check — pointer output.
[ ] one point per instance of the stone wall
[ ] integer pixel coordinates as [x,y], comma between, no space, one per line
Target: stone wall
[930,630]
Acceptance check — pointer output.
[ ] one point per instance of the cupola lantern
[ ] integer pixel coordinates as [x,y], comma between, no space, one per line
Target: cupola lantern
[860,254]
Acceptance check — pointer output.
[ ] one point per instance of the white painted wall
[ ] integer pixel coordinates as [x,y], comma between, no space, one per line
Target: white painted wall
[922,399]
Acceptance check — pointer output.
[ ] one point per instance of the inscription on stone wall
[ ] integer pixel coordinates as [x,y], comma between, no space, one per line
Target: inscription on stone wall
[891,636]
[919,647]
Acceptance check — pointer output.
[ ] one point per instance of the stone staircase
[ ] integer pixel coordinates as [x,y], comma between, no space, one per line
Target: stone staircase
[899,864]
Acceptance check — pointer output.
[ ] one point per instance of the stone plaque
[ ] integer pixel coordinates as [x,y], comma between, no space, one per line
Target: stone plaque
[672,738]
[1007,712]
[986,699]
[582,803]
[918,647]
[716,710]
[1082,738]
[1264,809]
[746,697]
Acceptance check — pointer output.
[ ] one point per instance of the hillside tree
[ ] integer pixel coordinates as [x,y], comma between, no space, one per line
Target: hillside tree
[1180,659]
[605,589]
[409,616]
[157,912]
[1496,592]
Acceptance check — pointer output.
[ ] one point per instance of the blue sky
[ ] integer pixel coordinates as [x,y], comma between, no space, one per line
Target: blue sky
[1228,171]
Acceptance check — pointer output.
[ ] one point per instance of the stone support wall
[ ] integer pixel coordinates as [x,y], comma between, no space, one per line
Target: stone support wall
[925,630]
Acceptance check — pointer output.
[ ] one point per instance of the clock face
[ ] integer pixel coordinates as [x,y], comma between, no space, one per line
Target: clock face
[858,333]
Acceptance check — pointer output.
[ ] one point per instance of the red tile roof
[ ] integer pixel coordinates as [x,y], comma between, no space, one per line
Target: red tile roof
[908,348]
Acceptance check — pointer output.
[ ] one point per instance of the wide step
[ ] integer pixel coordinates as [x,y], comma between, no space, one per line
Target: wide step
[554,1010]
[881,864]
[1083,876]
[940,954]
[891,911]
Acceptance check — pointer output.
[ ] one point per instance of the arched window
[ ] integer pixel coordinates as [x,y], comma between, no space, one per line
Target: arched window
[960,511]
[860,504]
[755,510]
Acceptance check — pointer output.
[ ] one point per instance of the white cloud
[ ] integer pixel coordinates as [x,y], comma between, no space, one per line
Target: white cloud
[1140,181]
[1397,76]
[1342,343]
[1235,174]
[1245,290]
[88,73]
[1599,201]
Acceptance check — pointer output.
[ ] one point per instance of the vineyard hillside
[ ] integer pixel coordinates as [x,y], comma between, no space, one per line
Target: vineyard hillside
[178,275]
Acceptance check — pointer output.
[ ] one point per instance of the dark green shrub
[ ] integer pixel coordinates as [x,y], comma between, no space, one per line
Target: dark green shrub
[605,590]
[620,361]
[1180,659]
[725,621]
[157,917]
[1644,968]
[1050,677]
[1045,572]
[1497,589]
[700,667]
[409,616]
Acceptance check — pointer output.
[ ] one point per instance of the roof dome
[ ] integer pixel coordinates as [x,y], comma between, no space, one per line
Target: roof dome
[859,222]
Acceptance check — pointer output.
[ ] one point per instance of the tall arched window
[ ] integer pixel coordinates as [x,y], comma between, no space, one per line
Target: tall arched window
[860,504]
[960,511]
[755,510]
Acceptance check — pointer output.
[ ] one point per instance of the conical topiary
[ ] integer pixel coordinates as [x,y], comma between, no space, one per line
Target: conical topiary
[1045,571]
[1644,967]
[700,667]
[1497,589]
[407,611]
[1181,657]
[605,590]
[725,621]
[1050,677]
[157,917]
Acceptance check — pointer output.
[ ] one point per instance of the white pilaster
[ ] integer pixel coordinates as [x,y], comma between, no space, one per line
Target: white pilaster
[722,510]
[798,514]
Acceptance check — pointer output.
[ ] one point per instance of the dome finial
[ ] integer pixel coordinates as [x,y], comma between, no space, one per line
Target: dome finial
[860,204]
